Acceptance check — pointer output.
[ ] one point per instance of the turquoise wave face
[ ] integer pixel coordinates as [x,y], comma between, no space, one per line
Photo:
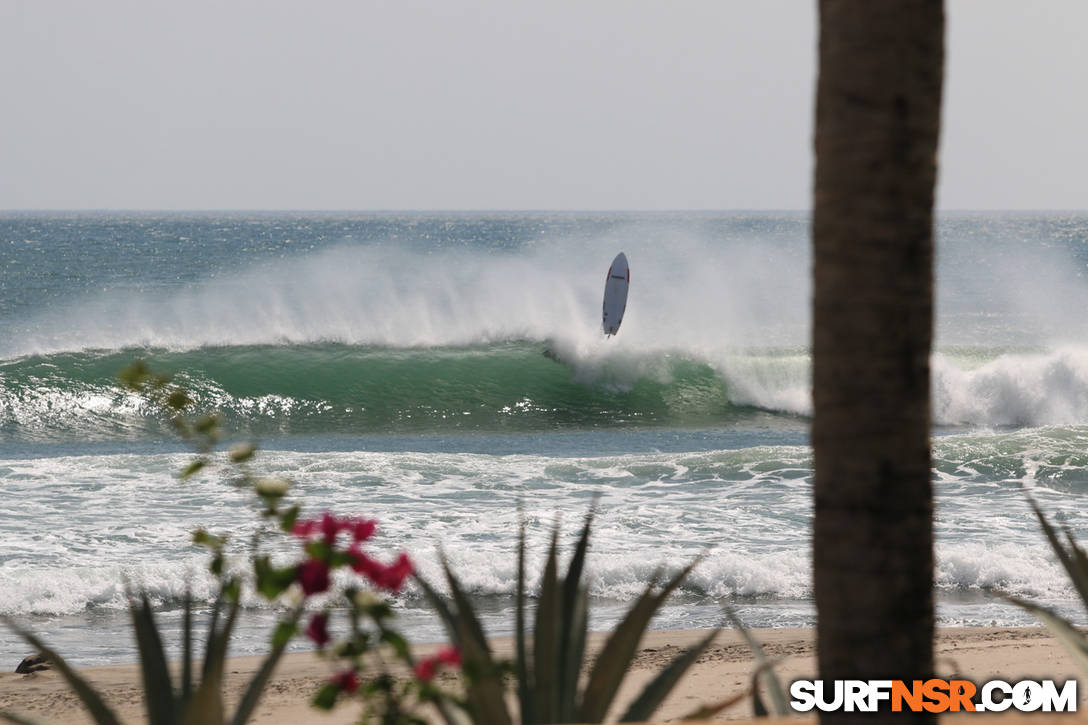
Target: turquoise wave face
[330,389]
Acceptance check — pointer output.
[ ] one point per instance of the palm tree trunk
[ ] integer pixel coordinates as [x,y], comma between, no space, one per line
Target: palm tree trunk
[877,123]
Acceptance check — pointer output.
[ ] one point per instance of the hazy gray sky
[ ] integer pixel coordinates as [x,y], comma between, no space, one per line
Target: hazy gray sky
[497,104]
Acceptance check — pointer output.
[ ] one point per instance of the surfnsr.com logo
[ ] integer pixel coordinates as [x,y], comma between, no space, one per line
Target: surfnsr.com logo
[933,696]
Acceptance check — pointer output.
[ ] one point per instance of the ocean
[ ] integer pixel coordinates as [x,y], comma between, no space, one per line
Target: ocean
[437,371]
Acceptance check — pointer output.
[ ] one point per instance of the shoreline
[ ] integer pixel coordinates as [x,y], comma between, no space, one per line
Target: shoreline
[975,653]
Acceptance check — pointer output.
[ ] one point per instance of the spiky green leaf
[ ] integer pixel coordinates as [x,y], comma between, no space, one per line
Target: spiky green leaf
[257,685]
[158,688]
[449,621]
[1070,637]
[524,677]
[485,687]
[569,623]
[206,706]
[194,467]
[467,621]
[546,649]
[1077,576]
[764,669]
[90,698]
[576,650]
[187,648]
[659,688]
[616,656]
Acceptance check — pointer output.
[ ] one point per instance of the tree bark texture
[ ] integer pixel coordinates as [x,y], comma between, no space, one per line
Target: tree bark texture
[877,124]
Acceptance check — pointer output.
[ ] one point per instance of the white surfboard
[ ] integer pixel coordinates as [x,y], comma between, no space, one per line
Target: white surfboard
[615,294]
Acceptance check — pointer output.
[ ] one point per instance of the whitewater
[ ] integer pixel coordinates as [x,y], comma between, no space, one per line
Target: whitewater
[439,371]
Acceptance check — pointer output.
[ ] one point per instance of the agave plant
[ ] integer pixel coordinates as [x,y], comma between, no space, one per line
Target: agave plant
[548,664]
[186,702]
[1075,562]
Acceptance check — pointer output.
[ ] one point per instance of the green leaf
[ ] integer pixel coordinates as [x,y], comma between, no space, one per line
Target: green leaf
[206,424]
[283,633]
[158,689]
[764,668]
[206,707]
[341,558]
[1070,637]
[233,590]
[270,581]
[1078,578]
[318,549]
[572,669]
[396,641]
[655,693]
[289,517]
[193,467]
[242,452]
[485,687]
[187,648]
[467,622]
[525,683]
[134,374]
[546,651]
[573,620]
[449,621]
[325,698]
[615,659]
[282,636]
[211,541]
[90,698]
[178,400]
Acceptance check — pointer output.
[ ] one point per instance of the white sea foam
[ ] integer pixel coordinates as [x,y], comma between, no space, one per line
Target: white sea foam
[1024,389]
[91,520]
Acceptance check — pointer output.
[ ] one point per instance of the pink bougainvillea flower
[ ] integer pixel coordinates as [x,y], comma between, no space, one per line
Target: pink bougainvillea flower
[318,630]
[450,656]
[363,564]
[395,575]
[304,528]
[330,527]
[363,529]
[346,681]
[390,578]
[426,669]
[313,576]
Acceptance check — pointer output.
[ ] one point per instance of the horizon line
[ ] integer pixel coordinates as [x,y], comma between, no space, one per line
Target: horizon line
[483,210]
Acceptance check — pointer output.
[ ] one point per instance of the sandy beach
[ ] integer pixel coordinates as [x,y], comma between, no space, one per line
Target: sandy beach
[977,653]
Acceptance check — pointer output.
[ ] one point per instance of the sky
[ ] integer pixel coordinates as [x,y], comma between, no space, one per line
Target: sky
[498,104]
